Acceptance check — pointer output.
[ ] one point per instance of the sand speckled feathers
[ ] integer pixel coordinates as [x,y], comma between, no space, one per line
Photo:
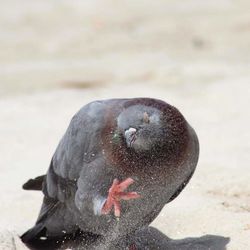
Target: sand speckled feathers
[144,140]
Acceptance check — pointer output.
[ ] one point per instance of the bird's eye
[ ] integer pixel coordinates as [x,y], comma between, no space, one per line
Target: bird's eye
[146,117]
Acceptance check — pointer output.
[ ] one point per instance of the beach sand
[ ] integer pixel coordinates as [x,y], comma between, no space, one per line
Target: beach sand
[57,56]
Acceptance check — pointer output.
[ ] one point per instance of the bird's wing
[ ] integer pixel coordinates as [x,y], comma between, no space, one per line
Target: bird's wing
[93,185]
[81,142]
[77,148]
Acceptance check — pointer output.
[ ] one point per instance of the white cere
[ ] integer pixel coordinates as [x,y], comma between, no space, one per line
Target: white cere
[130,131]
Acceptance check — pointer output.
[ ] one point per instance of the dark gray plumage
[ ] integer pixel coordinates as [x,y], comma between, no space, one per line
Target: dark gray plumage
[144,139]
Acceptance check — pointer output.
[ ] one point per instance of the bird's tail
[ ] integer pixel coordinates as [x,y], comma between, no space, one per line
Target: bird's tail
[34,233]
[35,184]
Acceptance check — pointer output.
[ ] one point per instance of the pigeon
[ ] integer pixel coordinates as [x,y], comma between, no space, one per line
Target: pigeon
[117,165]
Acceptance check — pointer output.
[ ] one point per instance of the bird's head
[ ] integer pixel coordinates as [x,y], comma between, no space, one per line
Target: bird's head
[147,131]
[141,128]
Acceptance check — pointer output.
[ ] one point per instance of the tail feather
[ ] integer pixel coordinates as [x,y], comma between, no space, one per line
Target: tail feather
[34,233]
[48,208]
[34,241]
[34,184]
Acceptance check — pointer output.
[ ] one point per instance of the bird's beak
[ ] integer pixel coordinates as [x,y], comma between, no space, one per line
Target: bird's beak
[130,136]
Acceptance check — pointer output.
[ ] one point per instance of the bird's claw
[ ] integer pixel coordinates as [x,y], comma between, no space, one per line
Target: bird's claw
[116,194]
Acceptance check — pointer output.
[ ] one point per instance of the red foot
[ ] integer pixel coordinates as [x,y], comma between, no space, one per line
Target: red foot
[116,193]
[132,247]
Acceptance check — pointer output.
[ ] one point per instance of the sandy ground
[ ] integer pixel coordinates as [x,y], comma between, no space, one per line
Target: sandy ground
[57,56]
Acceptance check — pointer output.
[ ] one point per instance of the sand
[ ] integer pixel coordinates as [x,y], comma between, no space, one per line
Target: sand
[57,56]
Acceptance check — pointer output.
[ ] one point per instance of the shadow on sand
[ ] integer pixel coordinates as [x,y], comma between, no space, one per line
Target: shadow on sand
[152,238]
